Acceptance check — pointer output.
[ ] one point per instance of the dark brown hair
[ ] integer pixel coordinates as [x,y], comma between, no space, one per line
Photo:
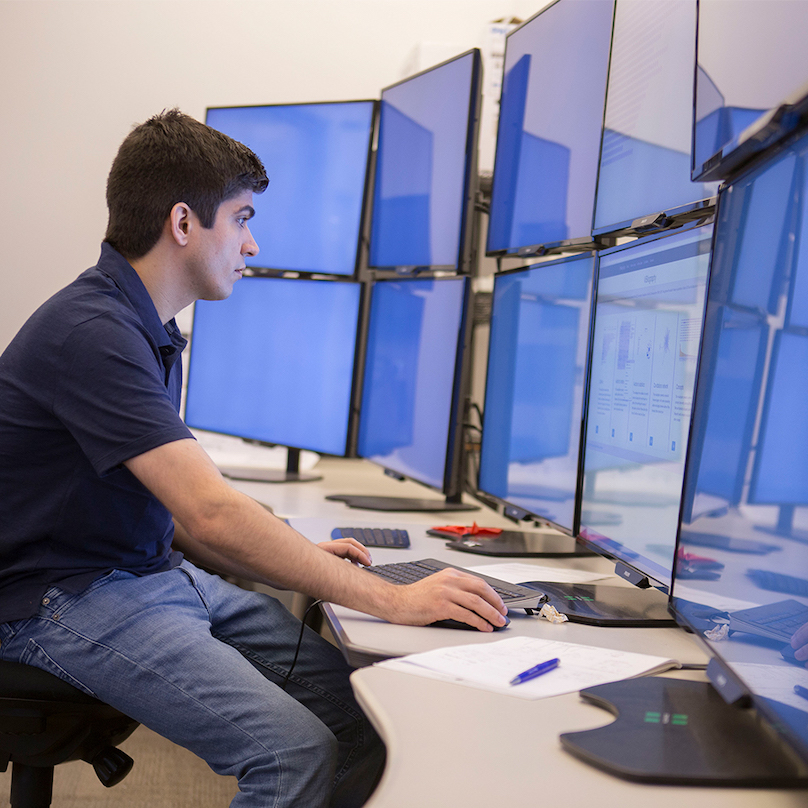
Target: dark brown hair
[168,159]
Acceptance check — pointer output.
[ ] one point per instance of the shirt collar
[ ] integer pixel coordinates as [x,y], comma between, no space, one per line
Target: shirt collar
[167,337]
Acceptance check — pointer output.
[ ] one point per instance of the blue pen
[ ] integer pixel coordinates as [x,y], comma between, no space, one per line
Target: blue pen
[801,691]
[536,670]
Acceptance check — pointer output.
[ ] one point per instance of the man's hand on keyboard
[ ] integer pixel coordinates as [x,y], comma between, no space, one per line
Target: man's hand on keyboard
[451,595]
[348,548]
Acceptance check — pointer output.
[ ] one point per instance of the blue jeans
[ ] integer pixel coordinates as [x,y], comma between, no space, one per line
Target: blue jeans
[200,661]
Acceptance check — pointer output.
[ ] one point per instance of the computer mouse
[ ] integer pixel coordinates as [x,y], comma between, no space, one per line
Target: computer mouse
[465,626]
[787,652]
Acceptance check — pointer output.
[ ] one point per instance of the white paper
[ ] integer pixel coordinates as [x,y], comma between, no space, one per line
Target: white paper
[516,573]
[775,681]
[717,601]
[491,666]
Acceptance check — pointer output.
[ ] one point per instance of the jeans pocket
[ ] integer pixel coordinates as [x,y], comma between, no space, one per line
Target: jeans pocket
[58,602]
[8,631]
[36,656]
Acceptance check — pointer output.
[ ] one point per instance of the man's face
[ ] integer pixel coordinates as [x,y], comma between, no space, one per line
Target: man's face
[217,260]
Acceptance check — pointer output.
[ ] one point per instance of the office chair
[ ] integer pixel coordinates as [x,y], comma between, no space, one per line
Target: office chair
[45,721]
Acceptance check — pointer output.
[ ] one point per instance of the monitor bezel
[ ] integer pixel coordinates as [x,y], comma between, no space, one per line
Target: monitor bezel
[635,574]
[513,507]
[260,441]
[454,464]
[593,242]
[364,215]
[467,239]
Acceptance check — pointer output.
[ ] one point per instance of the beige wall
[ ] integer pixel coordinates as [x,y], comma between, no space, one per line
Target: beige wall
[77,74]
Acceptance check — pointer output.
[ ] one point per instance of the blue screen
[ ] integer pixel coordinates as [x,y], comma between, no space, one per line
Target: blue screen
[551,115]
[275,361]
[410,371]
[645,155]
[310,217]
[751,56]
[423,161]
[732,361]
[537,360]
[742,567]
[781,468]
[649,314]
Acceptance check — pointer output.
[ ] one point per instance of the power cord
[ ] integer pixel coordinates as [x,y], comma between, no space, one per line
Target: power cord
[299,643]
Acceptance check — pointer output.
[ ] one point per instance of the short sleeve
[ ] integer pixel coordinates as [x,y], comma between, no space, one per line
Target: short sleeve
[110,390]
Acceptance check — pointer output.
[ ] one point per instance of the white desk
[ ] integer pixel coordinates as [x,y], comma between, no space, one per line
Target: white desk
[461,746]
[476,749]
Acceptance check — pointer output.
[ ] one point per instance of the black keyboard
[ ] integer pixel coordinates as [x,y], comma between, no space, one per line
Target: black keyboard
[779,582]
[778,621]
[373,536]
[407,572]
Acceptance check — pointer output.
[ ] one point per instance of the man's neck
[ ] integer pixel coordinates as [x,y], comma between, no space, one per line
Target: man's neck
[163,283]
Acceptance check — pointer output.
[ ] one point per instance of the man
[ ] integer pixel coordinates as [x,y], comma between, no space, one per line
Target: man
[102,486]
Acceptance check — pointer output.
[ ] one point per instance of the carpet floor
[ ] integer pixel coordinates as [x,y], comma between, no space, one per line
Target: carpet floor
[164,776]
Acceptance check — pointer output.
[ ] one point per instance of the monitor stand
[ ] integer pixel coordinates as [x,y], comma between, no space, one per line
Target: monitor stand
[264,475]
[372,503]
[517,544]
[680,732]
[721,542]
[785,526]
[608,606]
[641,606]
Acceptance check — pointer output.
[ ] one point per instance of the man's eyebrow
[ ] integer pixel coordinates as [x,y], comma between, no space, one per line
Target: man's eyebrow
[247,210]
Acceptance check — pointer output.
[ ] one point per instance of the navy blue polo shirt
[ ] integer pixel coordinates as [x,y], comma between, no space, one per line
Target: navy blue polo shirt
[91,380]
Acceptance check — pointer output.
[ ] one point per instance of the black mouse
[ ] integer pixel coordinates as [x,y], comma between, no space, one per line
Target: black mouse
[457,624]
[787,652]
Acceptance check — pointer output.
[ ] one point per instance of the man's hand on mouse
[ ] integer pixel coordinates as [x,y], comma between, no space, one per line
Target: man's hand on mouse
[799,642]
[451,595]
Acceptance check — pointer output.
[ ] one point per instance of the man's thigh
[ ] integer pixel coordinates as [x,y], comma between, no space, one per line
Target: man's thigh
[144,645]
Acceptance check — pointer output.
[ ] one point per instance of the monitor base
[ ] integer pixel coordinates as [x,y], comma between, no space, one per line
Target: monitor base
[794,534]
[262,475]
[609,606]
[372,503]
[720,542]
[785,526]
[679,732]
[517,544]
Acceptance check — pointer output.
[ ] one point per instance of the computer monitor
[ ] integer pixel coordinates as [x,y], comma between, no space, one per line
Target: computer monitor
[415,389]
[274,363]
[754,239]
[426,169]
[649,310]
[644,179]
[550,120]
[311,217]
[751,68]
[538,354]
[755,599]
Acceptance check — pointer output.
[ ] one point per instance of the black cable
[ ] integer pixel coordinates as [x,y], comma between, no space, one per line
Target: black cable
[299,642]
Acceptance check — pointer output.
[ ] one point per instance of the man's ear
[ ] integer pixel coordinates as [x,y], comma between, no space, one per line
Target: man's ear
[180,223]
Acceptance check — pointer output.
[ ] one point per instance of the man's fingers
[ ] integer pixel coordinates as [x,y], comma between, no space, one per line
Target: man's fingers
[459,596]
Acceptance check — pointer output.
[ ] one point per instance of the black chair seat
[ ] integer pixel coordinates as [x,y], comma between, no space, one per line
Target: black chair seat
[45,721]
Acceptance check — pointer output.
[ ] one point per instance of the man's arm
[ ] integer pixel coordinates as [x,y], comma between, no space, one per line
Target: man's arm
[231,532]
[208,557]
